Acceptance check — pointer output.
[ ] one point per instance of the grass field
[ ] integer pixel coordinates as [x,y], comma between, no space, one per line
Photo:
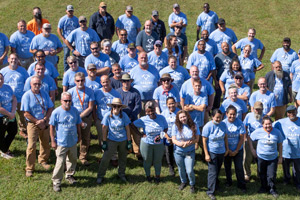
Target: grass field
[273,20]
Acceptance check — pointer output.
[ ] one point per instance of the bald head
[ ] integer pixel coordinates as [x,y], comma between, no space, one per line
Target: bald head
[148,26]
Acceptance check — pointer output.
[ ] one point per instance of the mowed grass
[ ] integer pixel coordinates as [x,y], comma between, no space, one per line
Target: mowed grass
[273,20]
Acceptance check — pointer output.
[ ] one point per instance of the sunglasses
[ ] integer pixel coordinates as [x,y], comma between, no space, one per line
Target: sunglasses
[95,48]
[239,78]
[123,34]
[71,63]
[158,45]
[67,101]
[125,81]
[116,106]
[82,21]
[165,80]
[82,80]
[93,70]
[103,7]
[40,56]
[39,84]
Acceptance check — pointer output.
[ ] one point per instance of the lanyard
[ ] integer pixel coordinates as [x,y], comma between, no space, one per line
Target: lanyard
[81,102]
[42,105]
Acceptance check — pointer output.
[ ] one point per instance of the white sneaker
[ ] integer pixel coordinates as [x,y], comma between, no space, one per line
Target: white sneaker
[6,156]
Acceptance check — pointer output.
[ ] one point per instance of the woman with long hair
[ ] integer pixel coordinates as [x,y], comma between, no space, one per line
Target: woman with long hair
[172,48]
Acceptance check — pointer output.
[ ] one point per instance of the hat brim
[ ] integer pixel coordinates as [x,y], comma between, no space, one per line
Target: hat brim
[127,79]
[111,104]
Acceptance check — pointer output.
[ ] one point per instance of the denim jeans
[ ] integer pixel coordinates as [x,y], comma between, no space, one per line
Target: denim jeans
[185,163]
[66,55]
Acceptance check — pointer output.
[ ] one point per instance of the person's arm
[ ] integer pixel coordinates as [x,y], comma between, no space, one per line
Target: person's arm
[243,97]
[65,88]
[59,32]
[226,145]
[198,108]
[47,116]
[210,102]
[272,111]
[87,111]
[31,51]
[197,33]
[279,146]
[138,105]
[253,151]
[176,142]
[11,115]
[13,50]
[94,113]
[157,110]
[103,71]
[261,66]
[52,96]
[291,94]
[207,157]
[57,51]
[78,133]
[221,84]
[262,53]
[104,132]
[241,142]
[234,49]
[180,61]
[117,31]
[52,137]
[243,116]
[214,75]
[128,132]
[74,51]
[291,76]
[138,30]
[140,49]
[182,102]
[185,52]
[4,54]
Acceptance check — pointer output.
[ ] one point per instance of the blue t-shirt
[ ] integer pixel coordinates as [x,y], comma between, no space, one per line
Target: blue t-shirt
[3,44]
[68,79]
[227,36]
[205,63]
[234,130]
[241,91]
[88,97]
[171,118]
[68,24]
[177,55]
[249,64]
[267,143]
[187,88]
[161,96]
[15,79]
[145,81]
[36,104]
[228,79]
[268,100]
[180,75]
[239,104]
[177,18]
[102,99]
[6,98]
[120,48]
[278,91]
[215,134]
[207,21]
[101,61]
[291,137]
[159,62]
[255,45]
[130,25]
[94,85]
[286,58]
[127,63]
[65,122]
[251,124]
[48,84]
[197,116]
[295,70]
[116,126]
[185,135]
[50,69]
[83,40]
[50,43]
[151,127]
[21,42]
[210,46]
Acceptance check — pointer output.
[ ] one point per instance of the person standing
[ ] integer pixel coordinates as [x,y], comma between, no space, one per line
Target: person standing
[156,57]
[158,25]
[35,25]
[130,60]
[4,48]
[207,20]
[146,38]
[177,18]
[65,134]
[120,46]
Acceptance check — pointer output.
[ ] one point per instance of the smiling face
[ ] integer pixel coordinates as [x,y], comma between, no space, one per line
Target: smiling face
[13,61]
[66,102]
[217,118]
[151,113]
[182,118]
[22,27]
[39,70]
[35,84]
[79,81]
[231,115]
[171,105]
[267,125]
[40,57]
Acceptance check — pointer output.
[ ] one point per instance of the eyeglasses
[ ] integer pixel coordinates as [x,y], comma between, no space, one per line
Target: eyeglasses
[67,101]
[116,106]
[71,63]
[96,48]
[82,21]
[39,84]
[103,7]
[165,80]
[92,70]
[82,80]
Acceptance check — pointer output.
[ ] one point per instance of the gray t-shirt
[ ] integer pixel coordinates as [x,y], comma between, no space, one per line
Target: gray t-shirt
[223,62]
[146,41]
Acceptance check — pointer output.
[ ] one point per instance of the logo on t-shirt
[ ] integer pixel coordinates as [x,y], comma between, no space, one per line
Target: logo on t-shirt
[146,76]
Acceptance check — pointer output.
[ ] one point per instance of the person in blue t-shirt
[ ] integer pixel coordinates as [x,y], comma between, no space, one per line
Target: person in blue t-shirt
[130,23]
[155,127]
[92,80]
[170,115]
[235,134]
[207,20]
[8,122]
[290,129]
[215,145]
[172,48]
[116,137]
[4,48]
[120,46]
[65,26]
[185,134]
[295,77]
[65,134]
[157,57]
[177,18]
[130,60]
[268,153]
[210,46]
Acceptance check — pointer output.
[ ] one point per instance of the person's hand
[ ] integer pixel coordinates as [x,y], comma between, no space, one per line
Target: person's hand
[53,145]
[52,53]
[279,160]
[47,53]
[233,153]
[11,116]
[78,140]
[226,152]
[208,108]
[254,153]
[129,145]
[41,124]
[207,158]
[1,61]
[76,53]
[217,86]
[104,146]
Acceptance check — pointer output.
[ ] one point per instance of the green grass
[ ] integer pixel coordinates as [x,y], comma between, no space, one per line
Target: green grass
[273,20]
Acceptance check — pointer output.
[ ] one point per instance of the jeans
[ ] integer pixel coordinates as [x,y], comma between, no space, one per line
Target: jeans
[5,140]
[238,165]
[267,172]
[214,167]
[185,163]
[152,153]
[66,55]
[296,170]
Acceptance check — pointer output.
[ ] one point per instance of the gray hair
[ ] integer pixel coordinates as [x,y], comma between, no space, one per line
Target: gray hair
[150,105]
[65,94]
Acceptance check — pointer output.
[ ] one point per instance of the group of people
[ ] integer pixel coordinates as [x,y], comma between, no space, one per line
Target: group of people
[139,97]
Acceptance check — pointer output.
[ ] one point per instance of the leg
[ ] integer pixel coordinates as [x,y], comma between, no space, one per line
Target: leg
[227,166]
[12,129]
[66,54]
[147,154]
[248,157]
[212,174]
[122,154]
[44,146]
[33,132]
[297,172]
[71,160]
[158,154]
[58,172]
[22,121]
[189,162]
[179,159]
[85,139]
[99,131]
[262,170]
[271,174]
[220,160]
[239,172]
[2,135]
[136,141]
[217,98]
[286,170]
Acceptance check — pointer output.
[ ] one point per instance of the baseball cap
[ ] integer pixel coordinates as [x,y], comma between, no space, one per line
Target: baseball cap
[102,4]
[70,7]
[154,13]
[287,39]
[46,25]
[82,18]
[91,66]
[221,21]
[176,5]
[131,45]
[290,108]
[158,42]
[239,75]
[258,105]
[129,8]
[126,77]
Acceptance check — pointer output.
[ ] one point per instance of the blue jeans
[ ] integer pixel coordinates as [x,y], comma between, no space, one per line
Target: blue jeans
[185,163]
[66,55]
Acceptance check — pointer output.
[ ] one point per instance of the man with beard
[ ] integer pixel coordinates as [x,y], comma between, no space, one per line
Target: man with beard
[145,78]
[289,127]
[177,18]
[146,38]
[158,25]
[279,82]
[35,25]
[120,46]
[181,40]
[285,55]
[157,57]
[211,46]
[251,40]
[252,122]
[98,58]
[103,23]
[207,20]
[265,96]
[48,42]
[116,81]
[20,43]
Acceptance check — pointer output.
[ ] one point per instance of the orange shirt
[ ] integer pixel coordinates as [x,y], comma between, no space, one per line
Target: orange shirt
[33,26]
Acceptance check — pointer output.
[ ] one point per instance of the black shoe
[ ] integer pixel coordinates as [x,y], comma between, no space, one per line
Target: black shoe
[243,189]
[274,194]
[182,186]
[192,189]
[211,196]
[71,180]
[262,190]
[124,179]
[157,180]
[171,171]
[93,137]
[227,184]
[99,180]
[149,179]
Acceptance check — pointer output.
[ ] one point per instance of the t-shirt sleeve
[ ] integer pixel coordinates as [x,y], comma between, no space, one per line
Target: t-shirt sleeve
[139,39]
[139,123]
